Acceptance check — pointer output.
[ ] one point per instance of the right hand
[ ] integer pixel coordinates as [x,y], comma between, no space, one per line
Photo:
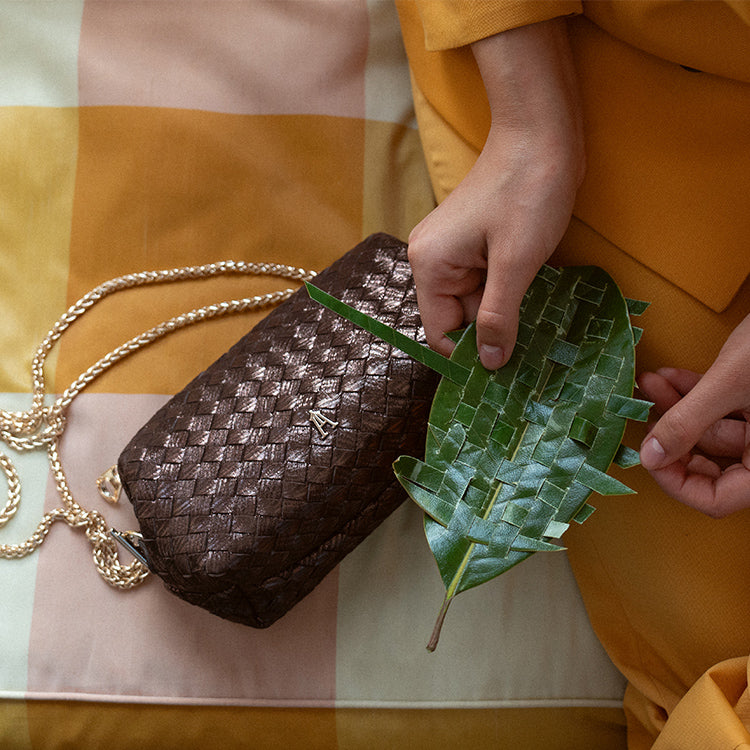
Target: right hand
[475,255]
[699,449]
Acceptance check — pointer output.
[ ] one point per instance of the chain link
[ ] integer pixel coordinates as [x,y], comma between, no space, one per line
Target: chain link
[42,425]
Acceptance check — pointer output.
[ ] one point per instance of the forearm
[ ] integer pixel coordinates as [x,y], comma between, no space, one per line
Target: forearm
[530,80]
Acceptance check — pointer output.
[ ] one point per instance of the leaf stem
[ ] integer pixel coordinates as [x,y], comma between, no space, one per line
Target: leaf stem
[435,637]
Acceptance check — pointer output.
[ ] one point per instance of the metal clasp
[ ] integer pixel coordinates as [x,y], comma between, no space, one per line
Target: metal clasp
[109,485]
[133,543]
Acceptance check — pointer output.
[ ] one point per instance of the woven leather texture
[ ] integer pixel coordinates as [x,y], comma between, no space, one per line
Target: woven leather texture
[243,503]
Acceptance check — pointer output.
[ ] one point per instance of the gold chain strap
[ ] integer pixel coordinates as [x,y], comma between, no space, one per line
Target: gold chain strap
[41,426]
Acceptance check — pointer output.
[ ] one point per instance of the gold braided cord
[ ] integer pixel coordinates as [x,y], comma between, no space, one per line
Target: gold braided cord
[14,489]
[41,426]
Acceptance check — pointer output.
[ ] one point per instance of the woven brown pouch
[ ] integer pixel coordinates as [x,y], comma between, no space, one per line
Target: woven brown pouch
[253,483]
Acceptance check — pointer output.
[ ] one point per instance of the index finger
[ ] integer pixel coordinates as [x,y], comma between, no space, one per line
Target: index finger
[440,314]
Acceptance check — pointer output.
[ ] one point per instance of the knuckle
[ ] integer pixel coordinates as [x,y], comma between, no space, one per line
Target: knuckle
[419,240]
[716,512]
[716,506]
[495,322]
[416,253]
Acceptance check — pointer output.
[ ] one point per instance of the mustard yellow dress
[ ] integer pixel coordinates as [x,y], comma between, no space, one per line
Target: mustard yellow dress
[665,209]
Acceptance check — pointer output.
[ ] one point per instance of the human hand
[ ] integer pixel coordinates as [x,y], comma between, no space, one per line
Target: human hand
[699,449]
[475,255]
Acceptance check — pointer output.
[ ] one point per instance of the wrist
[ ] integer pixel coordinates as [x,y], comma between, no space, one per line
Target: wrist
[545,161]
[531,87]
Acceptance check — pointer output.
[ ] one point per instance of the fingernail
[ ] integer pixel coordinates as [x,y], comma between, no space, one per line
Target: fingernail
[652,453]
[491,356]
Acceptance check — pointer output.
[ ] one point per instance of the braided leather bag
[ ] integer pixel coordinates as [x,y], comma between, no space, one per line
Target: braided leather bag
[253,483]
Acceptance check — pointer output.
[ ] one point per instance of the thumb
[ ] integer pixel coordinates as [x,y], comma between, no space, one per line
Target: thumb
[497,327]
[681,427]
[497,317]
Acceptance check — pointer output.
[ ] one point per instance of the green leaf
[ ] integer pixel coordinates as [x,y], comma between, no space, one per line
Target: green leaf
[512,456]
[626,457]
[636,306]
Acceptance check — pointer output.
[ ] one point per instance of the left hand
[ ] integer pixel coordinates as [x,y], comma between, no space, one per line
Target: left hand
[475,255]
[699,449]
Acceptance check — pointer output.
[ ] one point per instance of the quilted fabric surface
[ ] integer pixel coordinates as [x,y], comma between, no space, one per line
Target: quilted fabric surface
[140,135]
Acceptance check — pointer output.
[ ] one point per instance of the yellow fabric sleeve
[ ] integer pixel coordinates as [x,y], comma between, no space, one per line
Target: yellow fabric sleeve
[456,23]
